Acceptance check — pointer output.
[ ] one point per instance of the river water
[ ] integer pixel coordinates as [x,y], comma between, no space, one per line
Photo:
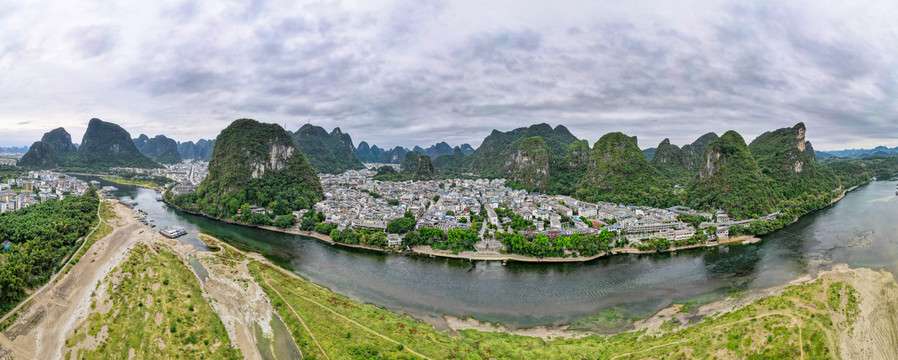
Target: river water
[861,230]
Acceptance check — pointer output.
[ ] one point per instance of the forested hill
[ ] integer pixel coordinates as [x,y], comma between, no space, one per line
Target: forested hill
[779,170]
[159,148]
[495,157]
[329,153]
[104,145]
[255,164]
[54,148]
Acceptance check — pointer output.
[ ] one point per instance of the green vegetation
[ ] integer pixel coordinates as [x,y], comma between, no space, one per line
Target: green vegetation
[402,225]
[328,153]
[488,159]
[414,167]
[455,240]
[541,245]
[374,154]
[43,237]
[619,172]
[131,178]
[783,326]
[254,164]
[527,164]
[452,165]
[155,306]
[786,158]
[730,179]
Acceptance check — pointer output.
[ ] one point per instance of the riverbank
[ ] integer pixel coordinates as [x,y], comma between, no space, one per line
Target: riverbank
[496,256]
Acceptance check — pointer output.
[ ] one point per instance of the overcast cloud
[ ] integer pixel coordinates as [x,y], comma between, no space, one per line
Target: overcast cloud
[419,72]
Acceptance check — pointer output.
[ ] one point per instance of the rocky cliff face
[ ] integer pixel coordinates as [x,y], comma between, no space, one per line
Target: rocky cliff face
[578,153]
[527,163]
[693,153]
[259,158]
[279,155]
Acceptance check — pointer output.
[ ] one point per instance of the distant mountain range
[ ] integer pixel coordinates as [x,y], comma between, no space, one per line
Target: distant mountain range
[14,150]
[859,153]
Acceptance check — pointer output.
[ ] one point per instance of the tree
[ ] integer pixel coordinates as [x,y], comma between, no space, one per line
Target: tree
[400,225]
[285,221]
[463,220]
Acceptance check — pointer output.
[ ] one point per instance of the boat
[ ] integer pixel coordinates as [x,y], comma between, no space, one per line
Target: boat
[158,197]
[173,231]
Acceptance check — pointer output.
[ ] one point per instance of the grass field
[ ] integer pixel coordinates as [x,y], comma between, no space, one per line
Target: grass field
[154,309]
[798,324]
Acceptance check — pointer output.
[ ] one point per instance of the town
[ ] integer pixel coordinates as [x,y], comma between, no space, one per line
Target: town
[36,187]
[355,200]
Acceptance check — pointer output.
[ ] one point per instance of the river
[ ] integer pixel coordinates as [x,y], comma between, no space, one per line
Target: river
[860,230]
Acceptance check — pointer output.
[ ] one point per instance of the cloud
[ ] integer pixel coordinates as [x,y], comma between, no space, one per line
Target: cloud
[410,73]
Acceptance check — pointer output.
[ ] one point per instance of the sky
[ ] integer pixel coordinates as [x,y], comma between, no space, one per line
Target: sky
[419,72]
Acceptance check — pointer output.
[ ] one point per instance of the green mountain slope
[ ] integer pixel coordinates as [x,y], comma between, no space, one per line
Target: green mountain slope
[201,150]
[257,164]
[730,179]
[669,160]
[159,148]
[453,164]
[788,159]
[526,164]
[106,145]
[40,156]
[693,153]
[619,172]
[489,159]
[329,153]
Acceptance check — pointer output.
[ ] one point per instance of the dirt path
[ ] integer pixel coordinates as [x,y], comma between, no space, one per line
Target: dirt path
[349,320]
[43,326]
